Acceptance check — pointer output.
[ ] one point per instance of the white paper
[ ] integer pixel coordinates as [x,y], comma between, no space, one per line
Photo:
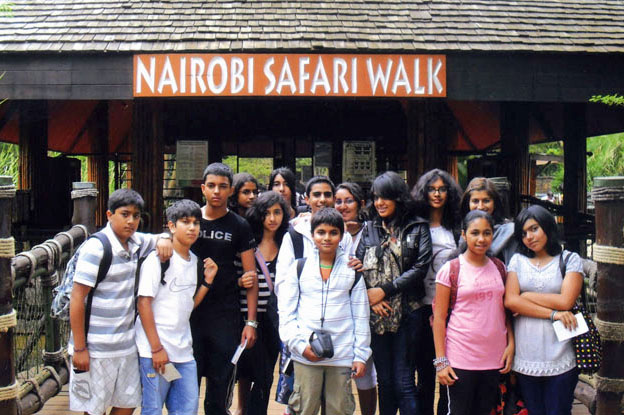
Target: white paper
[171,373]
[565,334]
[238,352]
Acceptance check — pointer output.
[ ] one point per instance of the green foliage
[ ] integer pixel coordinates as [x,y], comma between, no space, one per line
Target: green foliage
[6,9]
[258,167]
[607,159]
[9,161]
[610,100]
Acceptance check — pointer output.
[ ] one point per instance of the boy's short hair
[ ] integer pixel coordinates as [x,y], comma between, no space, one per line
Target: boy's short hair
[219,169]
[327,216]
[319,179]
[184,208]
[125,197]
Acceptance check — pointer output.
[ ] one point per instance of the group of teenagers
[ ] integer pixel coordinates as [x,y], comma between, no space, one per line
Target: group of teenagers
[433,281]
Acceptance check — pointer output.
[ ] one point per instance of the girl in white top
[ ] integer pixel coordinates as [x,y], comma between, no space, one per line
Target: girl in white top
[540,295]
[437,195]
[350,202]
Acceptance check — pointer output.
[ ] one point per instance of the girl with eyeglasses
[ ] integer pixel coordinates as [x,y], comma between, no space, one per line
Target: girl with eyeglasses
[437,196]
[245,193]
[350,202]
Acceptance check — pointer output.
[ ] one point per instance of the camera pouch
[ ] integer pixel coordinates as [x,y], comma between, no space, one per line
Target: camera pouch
[321,344]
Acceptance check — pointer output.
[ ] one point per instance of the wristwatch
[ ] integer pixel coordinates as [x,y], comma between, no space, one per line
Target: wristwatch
[252,323]
[205,284]
[164,235]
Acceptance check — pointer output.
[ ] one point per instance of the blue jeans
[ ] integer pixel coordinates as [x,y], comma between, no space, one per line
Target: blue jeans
[549,395]
[395,362]
[181,396]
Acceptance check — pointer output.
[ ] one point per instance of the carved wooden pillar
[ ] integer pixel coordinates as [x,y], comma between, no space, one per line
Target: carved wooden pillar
[8,403]
[98,161]
[33,152]
[514,130]
[147,160]
[608,196]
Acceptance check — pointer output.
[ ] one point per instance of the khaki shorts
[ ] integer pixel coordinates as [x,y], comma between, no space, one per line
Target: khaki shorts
[110,382]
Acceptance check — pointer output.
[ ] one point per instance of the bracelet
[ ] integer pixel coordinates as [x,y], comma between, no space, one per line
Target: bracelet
[158,350]
[80,350]
[552,315]
[205,284]
[252,323]
[440,363]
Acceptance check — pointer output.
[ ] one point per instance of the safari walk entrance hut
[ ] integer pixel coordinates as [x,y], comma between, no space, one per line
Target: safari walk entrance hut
[359,86]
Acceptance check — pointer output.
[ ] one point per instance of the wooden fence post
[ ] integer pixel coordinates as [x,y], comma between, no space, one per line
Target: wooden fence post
[8,386]
[84,195]
[608,196]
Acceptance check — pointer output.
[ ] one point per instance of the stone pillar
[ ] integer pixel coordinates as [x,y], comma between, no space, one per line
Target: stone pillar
[8,318]
[608,196]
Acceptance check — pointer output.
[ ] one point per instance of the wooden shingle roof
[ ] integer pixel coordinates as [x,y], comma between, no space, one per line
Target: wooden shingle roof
[97,26]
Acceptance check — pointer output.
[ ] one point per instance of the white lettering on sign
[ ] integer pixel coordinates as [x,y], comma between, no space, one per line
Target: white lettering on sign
[289,75]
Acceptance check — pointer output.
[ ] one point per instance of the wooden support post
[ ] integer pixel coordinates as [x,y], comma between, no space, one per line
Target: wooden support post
[148,162]
[33,152]
[84,196]
[608,196]
[8,404]
[514,131]
[98,162]
[284,150]
[426,138]
[574,173]
[415,139]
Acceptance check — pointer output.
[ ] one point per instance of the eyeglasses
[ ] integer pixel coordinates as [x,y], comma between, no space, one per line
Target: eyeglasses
[434,190]
[348,201]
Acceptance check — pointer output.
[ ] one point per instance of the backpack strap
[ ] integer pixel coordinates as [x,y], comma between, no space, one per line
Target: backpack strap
[501,269]
[300,264]
[564,258]
[454,277]
[358,275]
[297,241]
[105,263]
[265,271]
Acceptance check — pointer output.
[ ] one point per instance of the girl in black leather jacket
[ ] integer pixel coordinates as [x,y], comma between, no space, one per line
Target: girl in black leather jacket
[395,251]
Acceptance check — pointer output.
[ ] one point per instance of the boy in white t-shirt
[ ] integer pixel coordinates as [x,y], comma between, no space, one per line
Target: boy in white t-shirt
[165,303]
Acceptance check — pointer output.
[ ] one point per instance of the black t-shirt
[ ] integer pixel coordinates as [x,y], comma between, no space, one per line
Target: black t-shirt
[221,239]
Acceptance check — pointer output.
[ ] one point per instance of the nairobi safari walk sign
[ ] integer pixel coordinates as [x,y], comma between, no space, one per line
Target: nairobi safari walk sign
[294,75]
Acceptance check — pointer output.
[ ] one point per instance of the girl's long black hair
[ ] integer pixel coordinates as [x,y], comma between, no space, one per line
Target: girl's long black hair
[450,217]
[257,212]
[291,182]
[389,185]
[239,181]
[546,221]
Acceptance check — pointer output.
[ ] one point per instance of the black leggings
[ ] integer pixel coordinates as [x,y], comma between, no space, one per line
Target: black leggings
[474,393]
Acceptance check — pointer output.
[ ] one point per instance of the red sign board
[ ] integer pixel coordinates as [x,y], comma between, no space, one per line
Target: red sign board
[304,75]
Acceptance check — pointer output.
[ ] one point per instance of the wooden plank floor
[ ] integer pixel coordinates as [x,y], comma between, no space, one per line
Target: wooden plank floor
[59,405]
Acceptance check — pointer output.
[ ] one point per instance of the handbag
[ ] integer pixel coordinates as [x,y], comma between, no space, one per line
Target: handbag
[509,400]
[587,346]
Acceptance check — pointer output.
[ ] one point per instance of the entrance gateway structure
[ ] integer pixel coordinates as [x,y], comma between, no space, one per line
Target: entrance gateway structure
[361,86]
[418,81]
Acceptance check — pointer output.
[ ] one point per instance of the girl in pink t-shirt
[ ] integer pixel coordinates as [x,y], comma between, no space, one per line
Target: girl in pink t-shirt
[476,344]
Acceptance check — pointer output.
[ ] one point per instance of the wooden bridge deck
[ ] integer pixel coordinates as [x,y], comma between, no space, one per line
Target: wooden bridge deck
[59,405]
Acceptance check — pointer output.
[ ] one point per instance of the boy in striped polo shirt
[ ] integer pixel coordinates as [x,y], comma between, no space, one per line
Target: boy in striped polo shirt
[105,363]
